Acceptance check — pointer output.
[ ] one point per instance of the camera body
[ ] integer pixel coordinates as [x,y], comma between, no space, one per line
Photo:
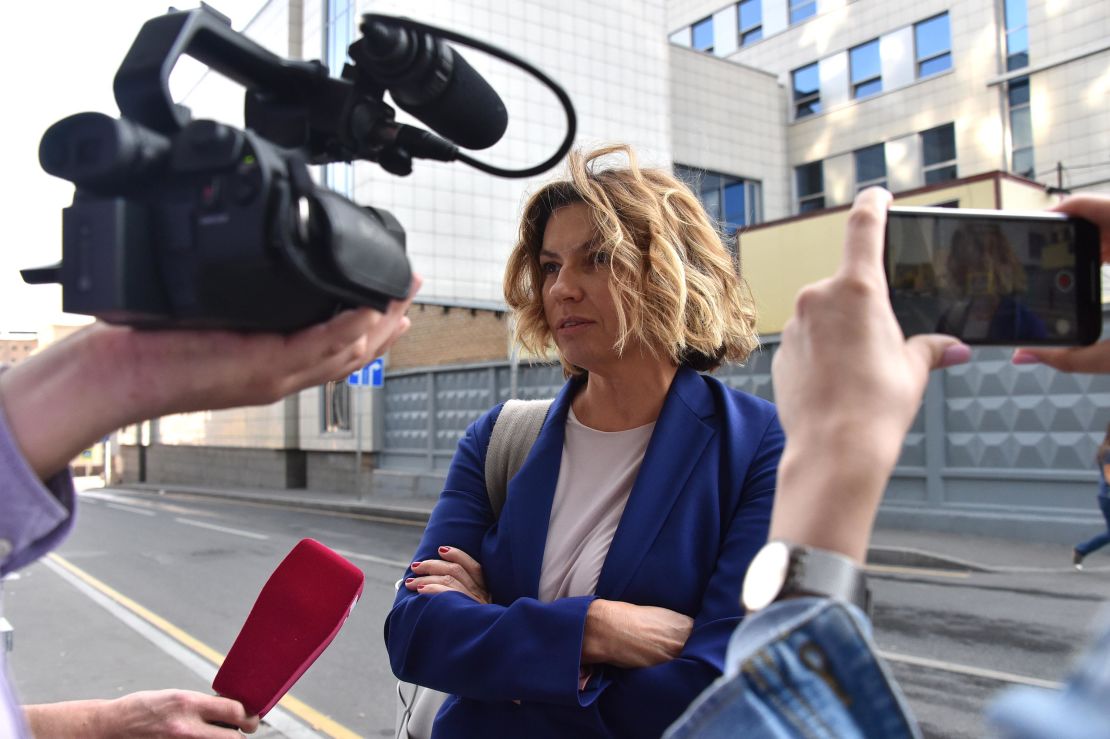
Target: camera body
[211,227]
[195,224]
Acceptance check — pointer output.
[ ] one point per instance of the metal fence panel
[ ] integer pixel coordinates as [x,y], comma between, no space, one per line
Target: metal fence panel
[993,440]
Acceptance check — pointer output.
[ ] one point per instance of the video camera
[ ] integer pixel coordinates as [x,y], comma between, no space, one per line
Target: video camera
[193,223]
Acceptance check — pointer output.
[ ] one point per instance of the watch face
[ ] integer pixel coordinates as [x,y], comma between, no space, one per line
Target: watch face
[766,575]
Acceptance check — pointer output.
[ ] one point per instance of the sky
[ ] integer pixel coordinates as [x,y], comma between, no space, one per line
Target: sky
[58,58]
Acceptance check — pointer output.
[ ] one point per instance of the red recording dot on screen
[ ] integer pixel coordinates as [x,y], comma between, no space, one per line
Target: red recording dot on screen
[296,616]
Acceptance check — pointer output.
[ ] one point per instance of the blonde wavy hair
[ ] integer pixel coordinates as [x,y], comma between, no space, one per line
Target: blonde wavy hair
[676,288]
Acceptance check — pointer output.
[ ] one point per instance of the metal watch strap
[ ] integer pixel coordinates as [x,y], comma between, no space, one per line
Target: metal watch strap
[828,575]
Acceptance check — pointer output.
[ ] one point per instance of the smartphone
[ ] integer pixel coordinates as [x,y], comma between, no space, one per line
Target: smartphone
[993,276]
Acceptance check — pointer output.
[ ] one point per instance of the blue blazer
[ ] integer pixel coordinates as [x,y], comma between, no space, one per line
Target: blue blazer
[698,512]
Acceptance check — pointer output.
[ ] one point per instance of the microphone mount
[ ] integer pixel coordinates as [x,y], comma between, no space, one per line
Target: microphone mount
[296,104]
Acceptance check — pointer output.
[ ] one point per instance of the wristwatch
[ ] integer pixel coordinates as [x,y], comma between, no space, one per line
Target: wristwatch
[782,570]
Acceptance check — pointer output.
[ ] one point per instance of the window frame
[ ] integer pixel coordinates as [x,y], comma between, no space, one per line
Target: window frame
[874,181]
[335,407]
[1024,110]
[338,34]
[818,197]
[920,61]
[808,99]
[927,168]
[743,35]
[796,8]
[338,18]
[1011,31]
[857,84]
[694,178]
[708,20]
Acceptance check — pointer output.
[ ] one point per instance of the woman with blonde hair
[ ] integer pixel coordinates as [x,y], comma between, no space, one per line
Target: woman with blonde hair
[600,601]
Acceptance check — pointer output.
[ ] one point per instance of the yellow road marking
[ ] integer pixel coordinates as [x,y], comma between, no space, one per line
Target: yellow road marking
[300,709]
[894,570]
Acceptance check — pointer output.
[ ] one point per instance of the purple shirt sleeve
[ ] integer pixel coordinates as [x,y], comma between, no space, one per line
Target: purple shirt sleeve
[34,517]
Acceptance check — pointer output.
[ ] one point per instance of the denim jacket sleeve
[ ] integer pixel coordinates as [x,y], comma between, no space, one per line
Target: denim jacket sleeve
[1079,711]
[805,667]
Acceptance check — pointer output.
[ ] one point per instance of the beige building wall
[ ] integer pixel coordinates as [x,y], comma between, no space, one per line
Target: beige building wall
[728,118]
[1069,69]
[259,427]
[17,346]
[310,428]
[1070,103]
[780,258]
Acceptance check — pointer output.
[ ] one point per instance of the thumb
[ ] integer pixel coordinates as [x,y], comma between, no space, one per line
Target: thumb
[936,351]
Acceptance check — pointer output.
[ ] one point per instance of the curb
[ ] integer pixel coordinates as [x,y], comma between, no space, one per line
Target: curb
[909,557]
[876,554]
[399,513]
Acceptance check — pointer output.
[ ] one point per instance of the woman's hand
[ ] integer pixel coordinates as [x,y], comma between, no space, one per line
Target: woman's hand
[630,636]
[1094,359]
[457,571]
[847,386]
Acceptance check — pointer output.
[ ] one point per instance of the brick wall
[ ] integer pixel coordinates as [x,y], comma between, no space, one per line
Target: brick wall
[448,335]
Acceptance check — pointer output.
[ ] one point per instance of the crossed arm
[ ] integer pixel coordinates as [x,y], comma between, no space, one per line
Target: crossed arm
[649,661]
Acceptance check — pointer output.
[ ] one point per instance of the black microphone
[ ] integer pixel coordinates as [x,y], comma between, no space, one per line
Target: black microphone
[432,81]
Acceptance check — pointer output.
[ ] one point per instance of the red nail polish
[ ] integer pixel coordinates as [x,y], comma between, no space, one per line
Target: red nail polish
[408,580]
[420,586]
[444,550]
[415,565]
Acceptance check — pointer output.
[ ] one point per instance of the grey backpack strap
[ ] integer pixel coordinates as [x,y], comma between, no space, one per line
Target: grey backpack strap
[514,433]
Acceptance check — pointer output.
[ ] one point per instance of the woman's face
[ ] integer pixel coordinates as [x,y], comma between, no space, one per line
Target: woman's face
[576,300]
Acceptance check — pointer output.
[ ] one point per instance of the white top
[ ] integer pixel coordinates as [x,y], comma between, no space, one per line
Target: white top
[595,477]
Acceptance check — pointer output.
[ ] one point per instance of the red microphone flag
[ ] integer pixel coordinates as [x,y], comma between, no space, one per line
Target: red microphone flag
[297,615]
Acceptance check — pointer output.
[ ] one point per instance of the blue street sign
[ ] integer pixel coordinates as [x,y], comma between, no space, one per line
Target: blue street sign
[372,375]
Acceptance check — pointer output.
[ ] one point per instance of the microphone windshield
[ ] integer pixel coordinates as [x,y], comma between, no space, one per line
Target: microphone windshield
[297,615]
[431,81]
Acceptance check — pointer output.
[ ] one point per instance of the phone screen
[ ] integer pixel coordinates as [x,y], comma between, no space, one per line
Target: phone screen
[991,277]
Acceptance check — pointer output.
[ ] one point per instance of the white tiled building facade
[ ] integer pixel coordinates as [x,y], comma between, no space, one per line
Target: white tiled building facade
[788,105]
[1023,84]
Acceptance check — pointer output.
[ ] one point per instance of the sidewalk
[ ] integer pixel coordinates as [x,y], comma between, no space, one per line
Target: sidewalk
[889,547]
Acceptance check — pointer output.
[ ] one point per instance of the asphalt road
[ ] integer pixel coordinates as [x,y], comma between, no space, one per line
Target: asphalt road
[199,564]
[954,639]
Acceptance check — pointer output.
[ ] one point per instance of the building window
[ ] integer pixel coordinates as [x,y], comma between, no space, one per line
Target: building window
[338,32]
[866,69]
[811,186]
[870,166]
[1017,34]
[801,9]
[731,201]
[1021,127]
[938,154]
[335,406]
[750,14]
[335,397]
[807,91]
[702,35]
[934,45]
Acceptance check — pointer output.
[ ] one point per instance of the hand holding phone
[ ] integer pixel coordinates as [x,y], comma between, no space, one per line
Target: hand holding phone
[995,277]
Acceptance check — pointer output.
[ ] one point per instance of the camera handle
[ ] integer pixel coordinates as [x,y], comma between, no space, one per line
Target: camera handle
[142,82]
